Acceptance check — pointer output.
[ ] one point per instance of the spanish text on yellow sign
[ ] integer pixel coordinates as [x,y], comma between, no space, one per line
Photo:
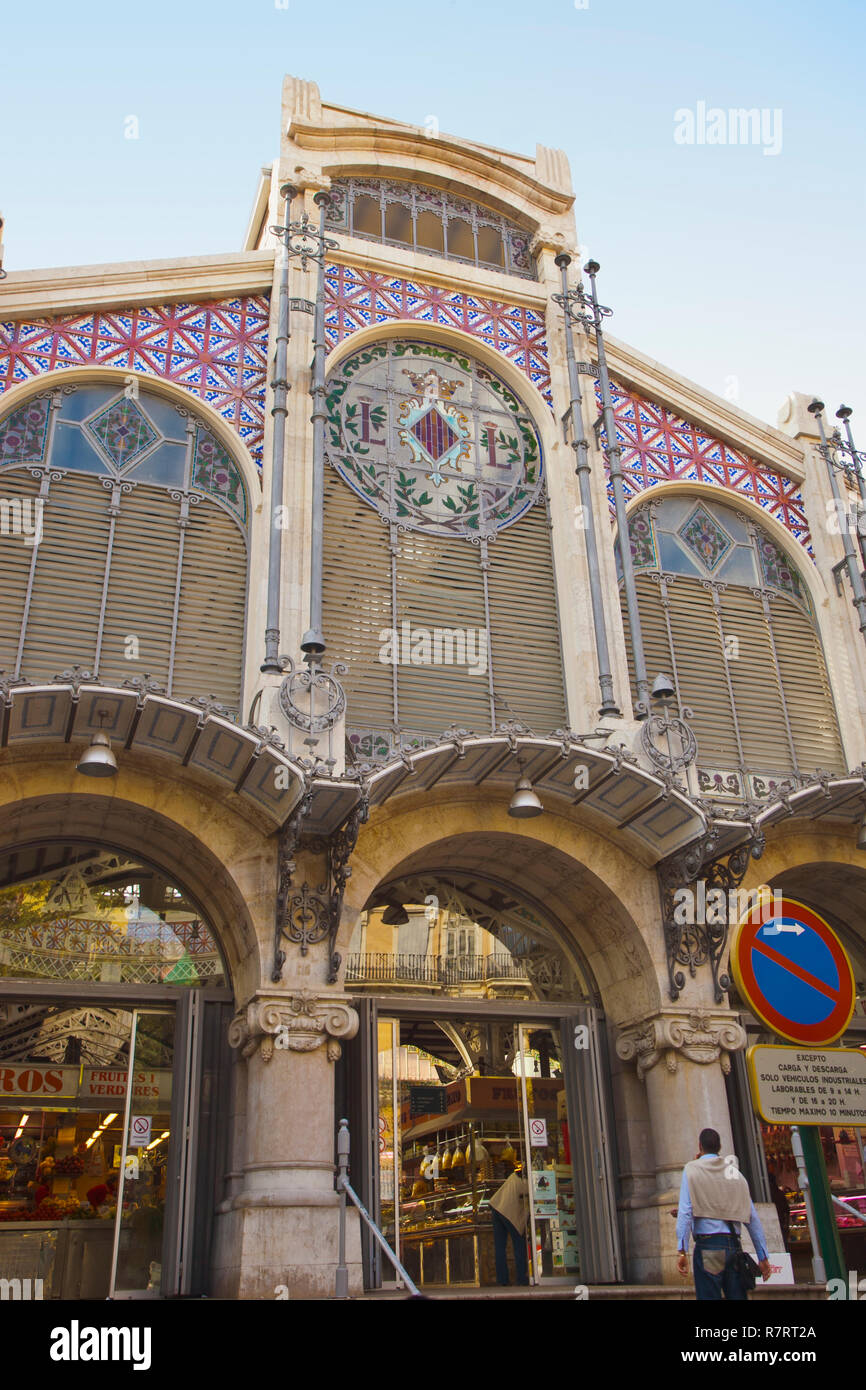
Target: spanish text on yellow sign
[807,1085]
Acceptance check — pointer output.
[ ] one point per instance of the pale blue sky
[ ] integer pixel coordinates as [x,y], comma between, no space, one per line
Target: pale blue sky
[739,269]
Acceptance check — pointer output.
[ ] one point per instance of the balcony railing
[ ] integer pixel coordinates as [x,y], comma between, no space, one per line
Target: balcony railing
[383,967]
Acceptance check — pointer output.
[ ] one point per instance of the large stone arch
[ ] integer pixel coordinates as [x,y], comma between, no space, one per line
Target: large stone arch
[822,867]
[608,911]
[224,865]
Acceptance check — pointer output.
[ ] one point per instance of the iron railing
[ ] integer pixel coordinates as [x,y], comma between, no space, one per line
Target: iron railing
[363,967]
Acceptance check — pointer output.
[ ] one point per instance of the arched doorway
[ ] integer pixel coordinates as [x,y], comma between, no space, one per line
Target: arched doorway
[113,1001]
[482,1057]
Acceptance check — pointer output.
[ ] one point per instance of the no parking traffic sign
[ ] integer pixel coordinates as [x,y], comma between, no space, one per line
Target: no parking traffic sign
[793,972]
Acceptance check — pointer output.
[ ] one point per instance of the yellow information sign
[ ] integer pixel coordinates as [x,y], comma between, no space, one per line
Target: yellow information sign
[808,1086]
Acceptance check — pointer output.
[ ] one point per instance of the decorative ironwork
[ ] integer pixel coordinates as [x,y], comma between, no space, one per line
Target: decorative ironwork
[664,726]
[307,918]
[309,915]
[303,239]
[340,849]
[694,943]
[308,683]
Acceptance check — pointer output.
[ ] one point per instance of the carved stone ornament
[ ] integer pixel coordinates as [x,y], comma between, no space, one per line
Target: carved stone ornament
[298,1022]
[701,1036]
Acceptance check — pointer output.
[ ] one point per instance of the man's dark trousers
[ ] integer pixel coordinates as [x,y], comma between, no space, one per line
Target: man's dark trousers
[727,1281]
[502,1229]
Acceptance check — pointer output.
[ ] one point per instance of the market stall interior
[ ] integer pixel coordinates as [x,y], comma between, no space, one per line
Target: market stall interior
[451,1135]
[89,1094]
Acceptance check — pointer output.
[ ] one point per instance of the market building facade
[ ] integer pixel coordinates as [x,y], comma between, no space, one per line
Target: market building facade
[388,653]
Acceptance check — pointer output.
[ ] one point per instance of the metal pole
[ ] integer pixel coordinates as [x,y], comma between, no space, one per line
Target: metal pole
[854,575]
[642,705]
[341,1289]
[279,410]
[818,1271]
[844,413]
[313,642]
[822,1205]
[579,445]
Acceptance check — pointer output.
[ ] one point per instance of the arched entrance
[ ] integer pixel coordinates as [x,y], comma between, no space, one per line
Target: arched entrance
[483,1053]
[114,1003]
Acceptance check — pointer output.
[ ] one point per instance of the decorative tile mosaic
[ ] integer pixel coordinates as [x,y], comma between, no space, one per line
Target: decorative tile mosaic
[213,471]
[23,434]
[657,447]
[779,573]
[643,550]
[218,352]
[705,538]
[359,298]
[122,431]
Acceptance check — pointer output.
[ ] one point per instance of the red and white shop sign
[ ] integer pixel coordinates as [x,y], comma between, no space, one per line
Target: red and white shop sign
[100,1084]
[29,1080]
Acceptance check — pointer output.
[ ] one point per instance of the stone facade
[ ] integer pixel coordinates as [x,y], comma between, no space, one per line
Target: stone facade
[203,331]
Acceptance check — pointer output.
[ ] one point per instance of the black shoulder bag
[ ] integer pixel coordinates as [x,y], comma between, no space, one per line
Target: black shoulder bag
[743,1263]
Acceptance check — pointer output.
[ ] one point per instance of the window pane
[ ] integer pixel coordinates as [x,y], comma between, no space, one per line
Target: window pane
[460,241]
[367,217]
[429,231]
[490,245]
[398,223]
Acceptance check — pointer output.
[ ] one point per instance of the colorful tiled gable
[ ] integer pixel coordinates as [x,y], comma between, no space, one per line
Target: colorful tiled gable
[659,447]
[359,298]
[218,352]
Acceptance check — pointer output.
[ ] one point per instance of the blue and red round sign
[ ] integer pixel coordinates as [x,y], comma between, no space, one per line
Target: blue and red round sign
[793,972]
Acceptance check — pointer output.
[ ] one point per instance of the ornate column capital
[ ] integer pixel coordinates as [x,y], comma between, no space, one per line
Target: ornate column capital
[300,1021]
[702,1036]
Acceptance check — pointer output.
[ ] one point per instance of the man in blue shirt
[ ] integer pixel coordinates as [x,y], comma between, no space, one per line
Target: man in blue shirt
[714,1201]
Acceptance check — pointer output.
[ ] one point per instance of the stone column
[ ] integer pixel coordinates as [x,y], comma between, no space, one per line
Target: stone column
[682,1057]
[285,1215]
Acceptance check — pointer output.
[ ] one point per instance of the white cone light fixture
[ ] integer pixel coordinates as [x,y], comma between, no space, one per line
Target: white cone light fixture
[524,802]
[98,760]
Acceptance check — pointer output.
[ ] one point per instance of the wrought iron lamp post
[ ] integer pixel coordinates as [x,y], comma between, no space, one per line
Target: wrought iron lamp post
[596,315]
[303,241]
[567,299]
[855,578]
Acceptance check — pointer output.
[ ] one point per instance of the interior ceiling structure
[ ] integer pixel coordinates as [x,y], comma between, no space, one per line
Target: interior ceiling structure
[572,903]
[836,892]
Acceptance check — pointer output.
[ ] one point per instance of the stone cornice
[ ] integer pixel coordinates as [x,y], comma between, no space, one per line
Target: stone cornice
[65,289]
[712,413]
[298,1021]
[412,143]
[703,1036]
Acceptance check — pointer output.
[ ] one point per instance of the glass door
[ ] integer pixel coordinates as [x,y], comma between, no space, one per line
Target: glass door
[554,1251]
[144,1158]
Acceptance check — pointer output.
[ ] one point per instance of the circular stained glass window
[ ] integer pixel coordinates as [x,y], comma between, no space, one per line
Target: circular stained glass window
[432,439]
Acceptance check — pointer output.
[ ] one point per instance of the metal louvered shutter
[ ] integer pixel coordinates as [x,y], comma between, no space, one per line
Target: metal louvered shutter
[210,624]
[524,626]
[440,585]
[808,696]
[141,585]
[357,601]
[70,571]
[16,559]
[766,698]
[758,698]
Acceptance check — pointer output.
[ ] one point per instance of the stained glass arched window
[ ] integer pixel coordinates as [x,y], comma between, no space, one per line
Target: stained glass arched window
[727,614]
[437,533]
[127,522]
